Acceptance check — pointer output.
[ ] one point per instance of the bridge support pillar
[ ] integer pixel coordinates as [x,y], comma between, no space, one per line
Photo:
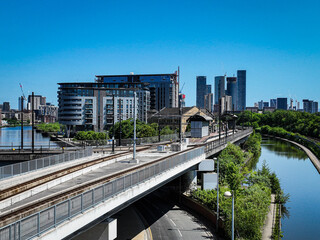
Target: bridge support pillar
[106,230]
[189,180]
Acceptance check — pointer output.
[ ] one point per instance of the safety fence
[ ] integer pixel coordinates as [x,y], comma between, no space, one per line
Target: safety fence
[107,143]
[51,217]
[32,165]
[210,146]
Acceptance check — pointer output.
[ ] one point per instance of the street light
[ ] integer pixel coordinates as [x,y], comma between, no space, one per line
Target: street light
[228,194]
[217,223]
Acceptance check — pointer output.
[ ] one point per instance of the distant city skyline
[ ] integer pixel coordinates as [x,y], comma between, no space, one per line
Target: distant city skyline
[43,43]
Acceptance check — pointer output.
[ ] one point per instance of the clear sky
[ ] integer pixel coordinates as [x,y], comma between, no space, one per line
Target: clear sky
[49,41]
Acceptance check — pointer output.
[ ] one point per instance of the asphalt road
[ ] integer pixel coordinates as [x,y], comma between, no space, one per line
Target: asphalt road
[169,221]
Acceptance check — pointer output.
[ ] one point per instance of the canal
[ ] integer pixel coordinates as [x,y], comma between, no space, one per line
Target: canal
[299,178]
[10,137]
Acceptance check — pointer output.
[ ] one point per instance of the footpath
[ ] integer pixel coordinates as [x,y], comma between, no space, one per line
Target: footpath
[268,225]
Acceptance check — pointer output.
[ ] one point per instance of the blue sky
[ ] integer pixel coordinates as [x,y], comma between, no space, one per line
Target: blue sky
[46,42]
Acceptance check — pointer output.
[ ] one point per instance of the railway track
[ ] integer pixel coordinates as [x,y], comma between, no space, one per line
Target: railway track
[28,209]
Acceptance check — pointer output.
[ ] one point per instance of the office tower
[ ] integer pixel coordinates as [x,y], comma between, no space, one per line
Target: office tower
[202,90]
[19,104]
[6,107]
[219,88]
[90,106]
[164,88]
[260,105]
[208,102]
[310,106]
[232,90]
[273,103]
[208,87]
[226,104]
[265,104]
[37,102]
[282,103]
[241,79]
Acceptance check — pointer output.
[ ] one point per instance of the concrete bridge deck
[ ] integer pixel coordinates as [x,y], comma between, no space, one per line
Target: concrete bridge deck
[102,171]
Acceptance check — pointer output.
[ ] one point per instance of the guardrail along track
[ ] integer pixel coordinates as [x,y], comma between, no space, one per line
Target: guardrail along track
[10,192]
[25,211]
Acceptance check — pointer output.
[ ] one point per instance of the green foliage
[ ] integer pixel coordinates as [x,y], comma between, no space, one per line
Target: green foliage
[90,135]
[143,129]
[234,177]
[280,132]
[299,122]
[49,127]
[253,144]
[166,131]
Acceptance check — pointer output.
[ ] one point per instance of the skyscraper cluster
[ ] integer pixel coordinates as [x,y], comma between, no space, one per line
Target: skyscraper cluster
[282,104]
[231,98]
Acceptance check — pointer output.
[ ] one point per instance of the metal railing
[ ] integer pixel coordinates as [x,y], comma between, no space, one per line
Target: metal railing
[32,165]
[129,142]
[51,217]
[224,140]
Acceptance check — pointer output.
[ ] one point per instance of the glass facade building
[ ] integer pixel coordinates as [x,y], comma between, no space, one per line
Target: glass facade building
[232,90]
[282,103]
[202,90]
[241,79]
[219,88]
[90,106]
[164,88]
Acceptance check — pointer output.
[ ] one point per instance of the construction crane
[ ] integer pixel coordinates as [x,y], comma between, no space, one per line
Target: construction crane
[24,97]
[182,87]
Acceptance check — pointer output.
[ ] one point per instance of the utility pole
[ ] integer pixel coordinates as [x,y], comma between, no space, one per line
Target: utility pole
[113,130]
[159,138]
[33,118]
[180,113]
[120,121]
[219,122]
[21,104]
[234,119]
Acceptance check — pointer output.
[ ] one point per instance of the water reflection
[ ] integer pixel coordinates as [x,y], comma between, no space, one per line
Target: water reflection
[11,137]
[282,148]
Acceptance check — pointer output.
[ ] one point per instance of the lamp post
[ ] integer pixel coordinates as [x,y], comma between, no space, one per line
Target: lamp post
[229,194]
[134,128]
[217,223]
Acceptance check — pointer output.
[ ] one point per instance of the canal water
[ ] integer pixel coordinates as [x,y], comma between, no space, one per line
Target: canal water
[300,179]
[10,137]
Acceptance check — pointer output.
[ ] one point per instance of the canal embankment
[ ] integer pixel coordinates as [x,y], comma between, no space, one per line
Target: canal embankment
[313,158]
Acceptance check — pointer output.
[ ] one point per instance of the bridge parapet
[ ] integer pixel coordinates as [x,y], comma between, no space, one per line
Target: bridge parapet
[33,165]
[217,145]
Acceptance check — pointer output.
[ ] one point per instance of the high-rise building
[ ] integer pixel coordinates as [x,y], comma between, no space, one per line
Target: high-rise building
[208,89]
[37,102]
[226,104]
[232,90]
[164,88]
[241,80]
[260,105]
[273,103]
[90,106]
[265,104]
[202,90]
[19,104]
[208,102]
[219,88]
[6,107]
[282,103]
[310,106]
